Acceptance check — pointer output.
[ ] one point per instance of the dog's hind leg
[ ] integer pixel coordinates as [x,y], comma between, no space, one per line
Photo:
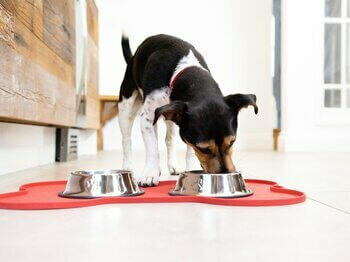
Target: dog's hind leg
[171,148]
[128,109]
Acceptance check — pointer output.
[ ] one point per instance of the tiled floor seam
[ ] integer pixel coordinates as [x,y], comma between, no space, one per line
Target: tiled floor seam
[322,203]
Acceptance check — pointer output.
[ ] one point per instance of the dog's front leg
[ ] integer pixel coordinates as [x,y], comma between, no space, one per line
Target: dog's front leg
[171,147]
[151,171]
[190,159]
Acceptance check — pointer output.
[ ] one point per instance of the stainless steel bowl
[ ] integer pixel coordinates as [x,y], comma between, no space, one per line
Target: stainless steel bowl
[101,183]
[198,183]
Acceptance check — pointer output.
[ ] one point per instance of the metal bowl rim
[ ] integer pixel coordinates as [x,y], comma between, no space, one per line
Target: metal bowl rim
[202,172]
[101,172]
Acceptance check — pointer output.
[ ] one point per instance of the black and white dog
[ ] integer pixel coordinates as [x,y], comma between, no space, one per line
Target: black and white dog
[168,77]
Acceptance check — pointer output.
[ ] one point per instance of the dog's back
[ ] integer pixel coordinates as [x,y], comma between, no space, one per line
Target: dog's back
[155,61]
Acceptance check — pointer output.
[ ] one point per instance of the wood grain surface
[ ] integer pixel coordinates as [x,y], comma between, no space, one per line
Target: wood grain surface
[37,62]
[92,96]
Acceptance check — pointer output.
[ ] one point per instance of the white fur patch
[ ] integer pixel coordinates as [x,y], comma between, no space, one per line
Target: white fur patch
[151,171]
[187,61]
[141,92]
[190,159]
[128,109]
[171,147]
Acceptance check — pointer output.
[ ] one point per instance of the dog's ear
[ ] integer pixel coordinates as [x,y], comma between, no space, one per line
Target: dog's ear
[173,111]
[238,101]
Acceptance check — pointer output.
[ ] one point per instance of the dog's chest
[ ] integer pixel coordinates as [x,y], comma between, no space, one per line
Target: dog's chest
[157,98]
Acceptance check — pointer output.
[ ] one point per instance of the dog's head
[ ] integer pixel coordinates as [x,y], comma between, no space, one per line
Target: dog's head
[209,127]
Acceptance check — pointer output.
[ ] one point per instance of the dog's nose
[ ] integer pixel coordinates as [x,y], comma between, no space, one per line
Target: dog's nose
[224,170]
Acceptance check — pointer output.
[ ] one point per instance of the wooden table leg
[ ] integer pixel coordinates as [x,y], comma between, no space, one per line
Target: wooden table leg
[100,130]
[276,134]
[106,116]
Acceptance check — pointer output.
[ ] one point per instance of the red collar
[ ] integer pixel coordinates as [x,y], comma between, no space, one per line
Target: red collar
[171,86]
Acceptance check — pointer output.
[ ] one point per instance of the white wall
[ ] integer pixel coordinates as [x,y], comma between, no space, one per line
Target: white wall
[25,146]
[232,35]
[87,143]
[305,126]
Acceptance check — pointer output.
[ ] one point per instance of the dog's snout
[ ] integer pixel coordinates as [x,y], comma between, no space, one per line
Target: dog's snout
[218,159]
[219,168]
[225,169]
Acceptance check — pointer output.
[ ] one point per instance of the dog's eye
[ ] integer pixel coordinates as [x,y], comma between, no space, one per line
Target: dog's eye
[227,147]
[205,150]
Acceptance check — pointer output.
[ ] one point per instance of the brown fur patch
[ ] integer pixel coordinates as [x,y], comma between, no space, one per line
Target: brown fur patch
[214,157]
[203,158]
[227,142]
[226,149]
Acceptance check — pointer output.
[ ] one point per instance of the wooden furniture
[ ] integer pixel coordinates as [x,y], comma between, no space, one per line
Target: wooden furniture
[38,63]
[106,114]
[92,96]
[276,134]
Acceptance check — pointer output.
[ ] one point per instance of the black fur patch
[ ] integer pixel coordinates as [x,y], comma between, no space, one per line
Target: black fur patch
[153,63]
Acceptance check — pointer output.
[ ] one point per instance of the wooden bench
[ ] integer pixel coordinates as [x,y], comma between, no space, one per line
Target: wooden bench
[106,114]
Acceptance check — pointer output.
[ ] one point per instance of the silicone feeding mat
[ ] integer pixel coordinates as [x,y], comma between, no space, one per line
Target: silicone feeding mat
[44,195]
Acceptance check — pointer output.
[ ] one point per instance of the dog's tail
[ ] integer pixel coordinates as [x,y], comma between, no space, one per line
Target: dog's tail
[126,48]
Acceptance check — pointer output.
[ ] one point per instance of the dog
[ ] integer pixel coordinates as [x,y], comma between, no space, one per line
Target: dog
[168,77]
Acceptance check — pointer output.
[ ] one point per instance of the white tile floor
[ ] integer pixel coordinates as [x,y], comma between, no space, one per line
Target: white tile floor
[317,230]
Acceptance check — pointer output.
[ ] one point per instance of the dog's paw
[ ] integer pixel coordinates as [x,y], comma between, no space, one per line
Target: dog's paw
[173,170]
[150,177]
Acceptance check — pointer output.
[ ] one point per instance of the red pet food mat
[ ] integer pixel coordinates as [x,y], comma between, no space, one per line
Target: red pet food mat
[44,195]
